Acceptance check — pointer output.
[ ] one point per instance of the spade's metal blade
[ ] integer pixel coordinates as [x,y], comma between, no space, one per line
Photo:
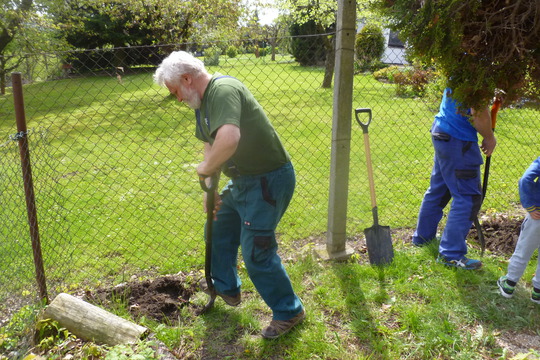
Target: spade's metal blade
[379,244]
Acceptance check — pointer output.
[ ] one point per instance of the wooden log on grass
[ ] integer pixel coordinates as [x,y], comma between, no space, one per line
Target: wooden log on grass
[92,323]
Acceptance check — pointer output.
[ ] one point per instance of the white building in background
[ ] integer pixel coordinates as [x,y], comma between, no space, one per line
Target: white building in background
[394,52]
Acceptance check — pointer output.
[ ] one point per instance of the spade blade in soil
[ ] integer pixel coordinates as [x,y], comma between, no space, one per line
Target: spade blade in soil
[379,244]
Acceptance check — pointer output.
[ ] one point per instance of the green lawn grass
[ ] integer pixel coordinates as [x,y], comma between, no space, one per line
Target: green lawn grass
[413,308]
[118,194]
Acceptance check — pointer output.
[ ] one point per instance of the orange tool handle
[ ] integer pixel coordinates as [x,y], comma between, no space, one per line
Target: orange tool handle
[494,110]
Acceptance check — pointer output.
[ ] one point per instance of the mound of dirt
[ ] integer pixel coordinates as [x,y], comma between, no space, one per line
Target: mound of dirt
[501,233]
[160,298]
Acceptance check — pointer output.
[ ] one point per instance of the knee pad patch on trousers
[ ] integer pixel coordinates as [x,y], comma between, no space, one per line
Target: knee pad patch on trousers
[262,247]
[468,182]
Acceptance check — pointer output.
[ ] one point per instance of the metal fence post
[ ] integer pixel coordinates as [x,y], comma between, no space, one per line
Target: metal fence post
[336,247]
[22,137]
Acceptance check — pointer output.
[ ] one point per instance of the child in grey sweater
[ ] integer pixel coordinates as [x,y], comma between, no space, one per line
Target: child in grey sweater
[529,238]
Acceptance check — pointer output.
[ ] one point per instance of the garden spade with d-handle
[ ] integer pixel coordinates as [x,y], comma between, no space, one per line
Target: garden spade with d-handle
[378,239]
[494,110]
[209,185]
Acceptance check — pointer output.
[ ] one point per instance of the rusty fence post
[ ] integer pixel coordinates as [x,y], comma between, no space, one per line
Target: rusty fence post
[22,137]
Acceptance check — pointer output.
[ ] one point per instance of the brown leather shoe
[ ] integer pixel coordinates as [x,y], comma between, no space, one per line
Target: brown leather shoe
[280,327]
[229,300]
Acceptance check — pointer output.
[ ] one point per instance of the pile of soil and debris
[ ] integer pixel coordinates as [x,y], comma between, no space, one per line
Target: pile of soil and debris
[500,233]
[160,298]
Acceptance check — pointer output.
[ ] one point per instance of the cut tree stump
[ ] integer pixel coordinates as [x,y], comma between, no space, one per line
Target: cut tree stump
[92,323]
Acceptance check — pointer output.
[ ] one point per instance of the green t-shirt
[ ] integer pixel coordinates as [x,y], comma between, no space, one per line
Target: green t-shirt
[227,101]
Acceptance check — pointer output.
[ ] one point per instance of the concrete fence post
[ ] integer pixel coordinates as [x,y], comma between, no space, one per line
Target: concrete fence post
[336,247]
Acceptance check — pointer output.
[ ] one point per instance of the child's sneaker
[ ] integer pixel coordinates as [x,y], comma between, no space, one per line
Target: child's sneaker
[535,297]
[463,263]
[507,290]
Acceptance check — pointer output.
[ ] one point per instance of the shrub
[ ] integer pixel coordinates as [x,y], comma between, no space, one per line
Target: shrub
[263,51]
[369,47]
[249,49]
[211,56]
[387,74]
[434,89]
[410,80]
[479,45]
[307,50]
[232,51]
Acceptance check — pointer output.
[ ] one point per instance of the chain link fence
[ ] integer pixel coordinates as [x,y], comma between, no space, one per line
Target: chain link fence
[114,157]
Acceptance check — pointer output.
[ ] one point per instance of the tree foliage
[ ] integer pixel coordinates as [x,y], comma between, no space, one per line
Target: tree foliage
[25,28]
[308,50]
[478,45]
[276,34]
[369,45]
[320,17]
[314,18]
[12,16]
[144,22]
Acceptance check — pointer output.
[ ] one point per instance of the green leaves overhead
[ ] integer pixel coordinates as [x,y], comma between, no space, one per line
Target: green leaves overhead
[12,16]
[479,45]
[146,22]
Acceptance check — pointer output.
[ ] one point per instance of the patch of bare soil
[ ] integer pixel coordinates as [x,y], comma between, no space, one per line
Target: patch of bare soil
[501,233]
[519,343]
[160,298]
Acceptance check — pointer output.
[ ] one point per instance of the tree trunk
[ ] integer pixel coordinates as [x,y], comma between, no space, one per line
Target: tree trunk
[92,323]
[3,74]
[119,60]
[329,63]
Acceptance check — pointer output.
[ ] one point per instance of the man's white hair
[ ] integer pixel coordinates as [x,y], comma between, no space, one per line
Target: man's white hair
[177,64]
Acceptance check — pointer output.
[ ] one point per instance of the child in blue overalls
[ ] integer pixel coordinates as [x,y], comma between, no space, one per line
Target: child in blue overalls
[456,176]
[529,238]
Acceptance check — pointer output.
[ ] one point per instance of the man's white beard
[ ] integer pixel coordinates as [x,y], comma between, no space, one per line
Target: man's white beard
[191,98]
